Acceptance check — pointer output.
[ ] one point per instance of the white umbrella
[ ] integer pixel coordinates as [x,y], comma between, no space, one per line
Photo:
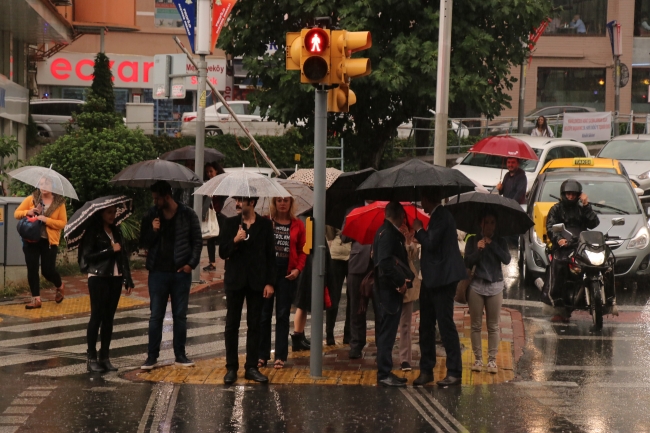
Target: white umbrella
[45,179]
[242,184]
[303,197]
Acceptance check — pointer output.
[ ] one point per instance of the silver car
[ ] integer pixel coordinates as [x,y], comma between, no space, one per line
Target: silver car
[554,117]
[633,151]
[611,196]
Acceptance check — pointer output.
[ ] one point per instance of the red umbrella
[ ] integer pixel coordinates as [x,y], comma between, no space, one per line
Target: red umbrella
[362,223]
[506,146]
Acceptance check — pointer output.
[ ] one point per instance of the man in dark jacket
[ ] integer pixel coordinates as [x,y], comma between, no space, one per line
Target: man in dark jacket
[442,268]
[248,247]
[577,215]
[390,285]
[514,183]
[171,233]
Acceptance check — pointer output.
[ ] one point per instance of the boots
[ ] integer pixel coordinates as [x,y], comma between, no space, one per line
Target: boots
[298,342]
[105,363]
[92,364]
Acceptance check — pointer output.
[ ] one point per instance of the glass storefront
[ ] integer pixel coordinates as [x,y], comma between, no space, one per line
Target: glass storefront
[640,82]
[578,18]
[571,86]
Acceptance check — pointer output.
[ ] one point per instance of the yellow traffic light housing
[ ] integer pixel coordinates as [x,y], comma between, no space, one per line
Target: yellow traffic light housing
[309,235]
[343,67]
[294,50]
[340,98]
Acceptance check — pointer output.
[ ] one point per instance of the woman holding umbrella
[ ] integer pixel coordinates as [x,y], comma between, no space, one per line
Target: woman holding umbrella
[49,208]
[103,257]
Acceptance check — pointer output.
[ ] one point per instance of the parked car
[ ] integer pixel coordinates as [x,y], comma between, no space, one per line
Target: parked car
[404,130]
[634,153]
[611,195]
[489,170]
[53,115]
[554,117]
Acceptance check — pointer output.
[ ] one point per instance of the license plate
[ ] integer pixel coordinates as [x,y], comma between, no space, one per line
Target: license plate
[583,161]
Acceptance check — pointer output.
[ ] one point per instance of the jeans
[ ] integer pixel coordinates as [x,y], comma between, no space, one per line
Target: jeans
[283,295]
[104,297]
[234,304]
[47,254]
[163,285]
[492,306]
[437,305]
[340,270]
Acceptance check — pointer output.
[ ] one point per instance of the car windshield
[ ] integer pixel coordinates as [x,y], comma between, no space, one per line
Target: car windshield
[637,150]
[606,170]
[491,161]
[617,195]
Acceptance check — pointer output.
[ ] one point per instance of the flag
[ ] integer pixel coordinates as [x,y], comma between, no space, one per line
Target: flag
[220,11]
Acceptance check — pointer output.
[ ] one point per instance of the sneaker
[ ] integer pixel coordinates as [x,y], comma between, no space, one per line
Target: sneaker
[60,293]
[539,283]
[36,303]
[210,268]
[406,366]
[183,361]
[492,367]
[149,364]
[478,365]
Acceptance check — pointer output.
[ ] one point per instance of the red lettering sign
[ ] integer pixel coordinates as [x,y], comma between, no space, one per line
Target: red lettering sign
[134,72]
[79,72]
[147,67]
[58,66]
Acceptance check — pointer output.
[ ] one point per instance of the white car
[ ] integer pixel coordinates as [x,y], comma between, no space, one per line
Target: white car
[404,130]
[53,115]
[489,170]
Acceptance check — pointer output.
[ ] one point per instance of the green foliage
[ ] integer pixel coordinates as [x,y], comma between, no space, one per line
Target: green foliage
[94,116]
[102,86]
[9,147]
[486,42]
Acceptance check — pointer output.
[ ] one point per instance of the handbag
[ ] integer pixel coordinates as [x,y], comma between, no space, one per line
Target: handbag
[463,287]
[210,227]
[327,300]
[29,228]
[366,291]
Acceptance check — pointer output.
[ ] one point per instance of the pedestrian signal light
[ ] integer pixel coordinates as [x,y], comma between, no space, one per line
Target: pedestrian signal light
[344,44]
[340,99]
[315,60]
[309,235]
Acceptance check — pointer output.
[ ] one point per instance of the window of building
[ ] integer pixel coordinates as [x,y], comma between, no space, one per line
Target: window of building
[640,90]
[642,18]
[571,86]
[578,18]
[166,14]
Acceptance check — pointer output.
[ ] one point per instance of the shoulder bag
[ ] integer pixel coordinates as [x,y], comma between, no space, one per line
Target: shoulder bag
[463,287]
[29,228]
[210,227]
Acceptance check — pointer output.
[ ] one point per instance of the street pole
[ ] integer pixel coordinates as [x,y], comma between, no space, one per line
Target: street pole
[522,96]
[617,92]
[200,143]
[101,40]
[318,263]
[442,86]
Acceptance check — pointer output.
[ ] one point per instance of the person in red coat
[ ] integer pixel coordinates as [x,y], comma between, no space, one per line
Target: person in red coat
[290,236]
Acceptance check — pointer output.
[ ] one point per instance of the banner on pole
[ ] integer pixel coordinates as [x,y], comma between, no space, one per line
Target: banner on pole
[220,11]
[587,126]
[187,10]
[615,39]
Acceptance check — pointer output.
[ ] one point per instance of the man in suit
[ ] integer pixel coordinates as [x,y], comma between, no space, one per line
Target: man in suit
[390,285]
[359,264]
[442,268]
[248,248]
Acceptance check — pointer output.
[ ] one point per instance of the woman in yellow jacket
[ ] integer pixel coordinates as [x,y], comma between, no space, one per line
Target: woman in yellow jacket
[50,209]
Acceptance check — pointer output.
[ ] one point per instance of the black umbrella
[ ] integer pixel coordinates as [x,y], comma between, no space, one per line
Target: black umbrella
[189,153]
[404,182]
[76,226]
[146,173]
[511,218]
[342,195]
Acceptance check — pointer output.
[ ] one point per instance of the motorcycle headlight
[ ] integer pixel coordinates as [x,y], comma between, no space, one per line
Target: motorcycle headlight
[640,240]
[645,175]
[596,259]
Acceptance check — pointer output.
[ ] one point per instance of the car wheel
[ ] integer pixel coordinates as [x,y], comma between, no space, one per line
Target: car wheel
[522,253]
[43,133]
[213,132]
[528,276]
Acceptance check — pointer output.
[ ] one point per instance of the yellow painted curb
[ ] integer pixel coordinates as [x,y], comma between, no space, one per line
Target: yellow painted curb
[69,306]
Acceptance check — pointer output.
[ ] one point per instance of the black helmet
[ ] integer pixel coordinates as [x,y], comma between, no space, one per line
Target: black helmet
[570,185]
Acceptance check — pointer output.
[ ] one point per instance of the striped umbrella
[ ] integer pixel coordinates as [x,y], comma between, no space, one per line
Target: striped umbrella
[77,224]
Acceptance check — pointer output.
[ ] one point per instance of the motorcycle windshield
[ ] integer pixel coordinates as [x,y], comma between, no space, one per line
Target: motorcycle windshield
[596,240]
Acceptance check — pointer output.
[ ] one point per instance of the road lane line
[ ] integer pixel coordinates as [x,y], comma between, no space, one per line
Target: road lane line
[165,427]
[422,412]
[445,412]
[147,410]
[432,411]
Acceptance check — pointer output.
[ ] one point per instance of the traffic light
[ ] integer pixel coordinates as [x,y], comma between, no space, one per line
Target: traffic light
[309,52]
[309,236]
[343,67]
[340,98]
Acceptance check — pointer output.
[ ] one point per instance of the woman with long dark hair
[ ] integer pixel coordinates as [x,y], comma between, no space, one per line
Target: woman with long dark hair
[211,170]
[541,128]
[103,257]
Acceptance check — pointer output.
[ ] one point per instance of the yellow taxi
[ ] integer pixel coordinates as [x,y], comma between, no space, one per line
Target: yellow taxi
[579,164]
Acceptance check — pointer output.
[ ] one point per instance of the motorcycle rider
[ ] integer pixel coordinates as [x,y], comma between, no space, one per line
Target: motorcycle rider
[577,215]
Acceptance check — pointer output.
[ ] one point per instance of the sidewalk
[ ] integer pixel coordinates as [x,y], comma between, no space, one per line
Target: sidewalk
[338,369]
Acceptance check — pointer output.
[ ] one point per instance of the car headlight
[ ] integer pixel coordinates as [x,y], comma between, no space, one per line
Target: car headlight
[640,240]
[537,240]
[596,259]
[645,175]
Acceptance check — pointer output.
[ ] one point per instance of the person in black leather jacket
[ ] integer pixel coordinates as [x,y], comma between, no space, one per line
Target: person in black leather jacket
[102,256]
[577,215]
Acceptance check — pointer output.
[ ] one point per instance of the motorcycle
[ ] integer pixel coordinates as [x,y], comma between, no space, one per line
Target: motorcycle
[590,282]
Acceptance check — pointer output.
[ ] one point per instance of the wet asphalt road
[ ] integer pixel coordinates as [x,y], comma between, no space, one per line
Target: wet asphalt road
[568,380]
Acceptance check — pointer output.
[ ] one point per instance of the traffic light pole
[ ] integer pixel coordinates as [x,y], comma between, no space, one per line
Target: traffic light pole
[617,93]
[200,143]
[318,263]
[442,85]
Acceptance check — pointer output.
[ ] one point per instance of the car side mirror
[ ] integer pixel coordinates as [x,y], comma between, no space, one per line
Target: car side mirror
[459,159]
[618,221]
[559,228]
[638,191]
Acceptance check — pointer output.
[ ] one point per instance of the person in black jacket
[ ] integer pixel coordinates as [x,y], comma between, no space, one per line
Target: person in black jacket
[171,233]
[248,248]
[575,212]
[103,258]
[391,284]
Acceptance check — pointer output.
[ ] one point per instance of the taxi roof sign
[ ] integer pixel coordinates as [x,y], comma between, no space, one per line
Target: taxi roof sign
[583,161]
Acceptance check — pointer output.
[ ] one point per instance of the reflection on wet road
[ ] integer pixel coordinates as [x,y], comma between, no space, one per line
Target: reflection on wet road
[568,380]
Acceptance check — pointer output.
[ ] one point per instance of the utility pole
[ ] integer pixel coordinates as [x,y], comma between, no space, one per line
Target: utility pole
[522,97]
[617,93]
[318,264]
[442,86]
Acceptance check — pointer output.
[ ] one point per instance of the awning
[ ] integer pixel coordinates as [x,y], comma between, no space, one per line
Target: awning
[34,21]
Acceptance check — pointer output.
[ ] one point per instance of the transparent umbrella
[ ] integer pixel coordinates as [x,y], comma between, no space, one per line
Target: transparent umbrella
[45,179]
[242,184]
[303,197]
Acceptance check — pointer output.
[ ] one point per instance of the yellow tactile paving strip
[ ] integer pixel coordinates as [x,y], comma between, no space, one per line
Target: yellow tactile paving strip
[212,371]
[69,306]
